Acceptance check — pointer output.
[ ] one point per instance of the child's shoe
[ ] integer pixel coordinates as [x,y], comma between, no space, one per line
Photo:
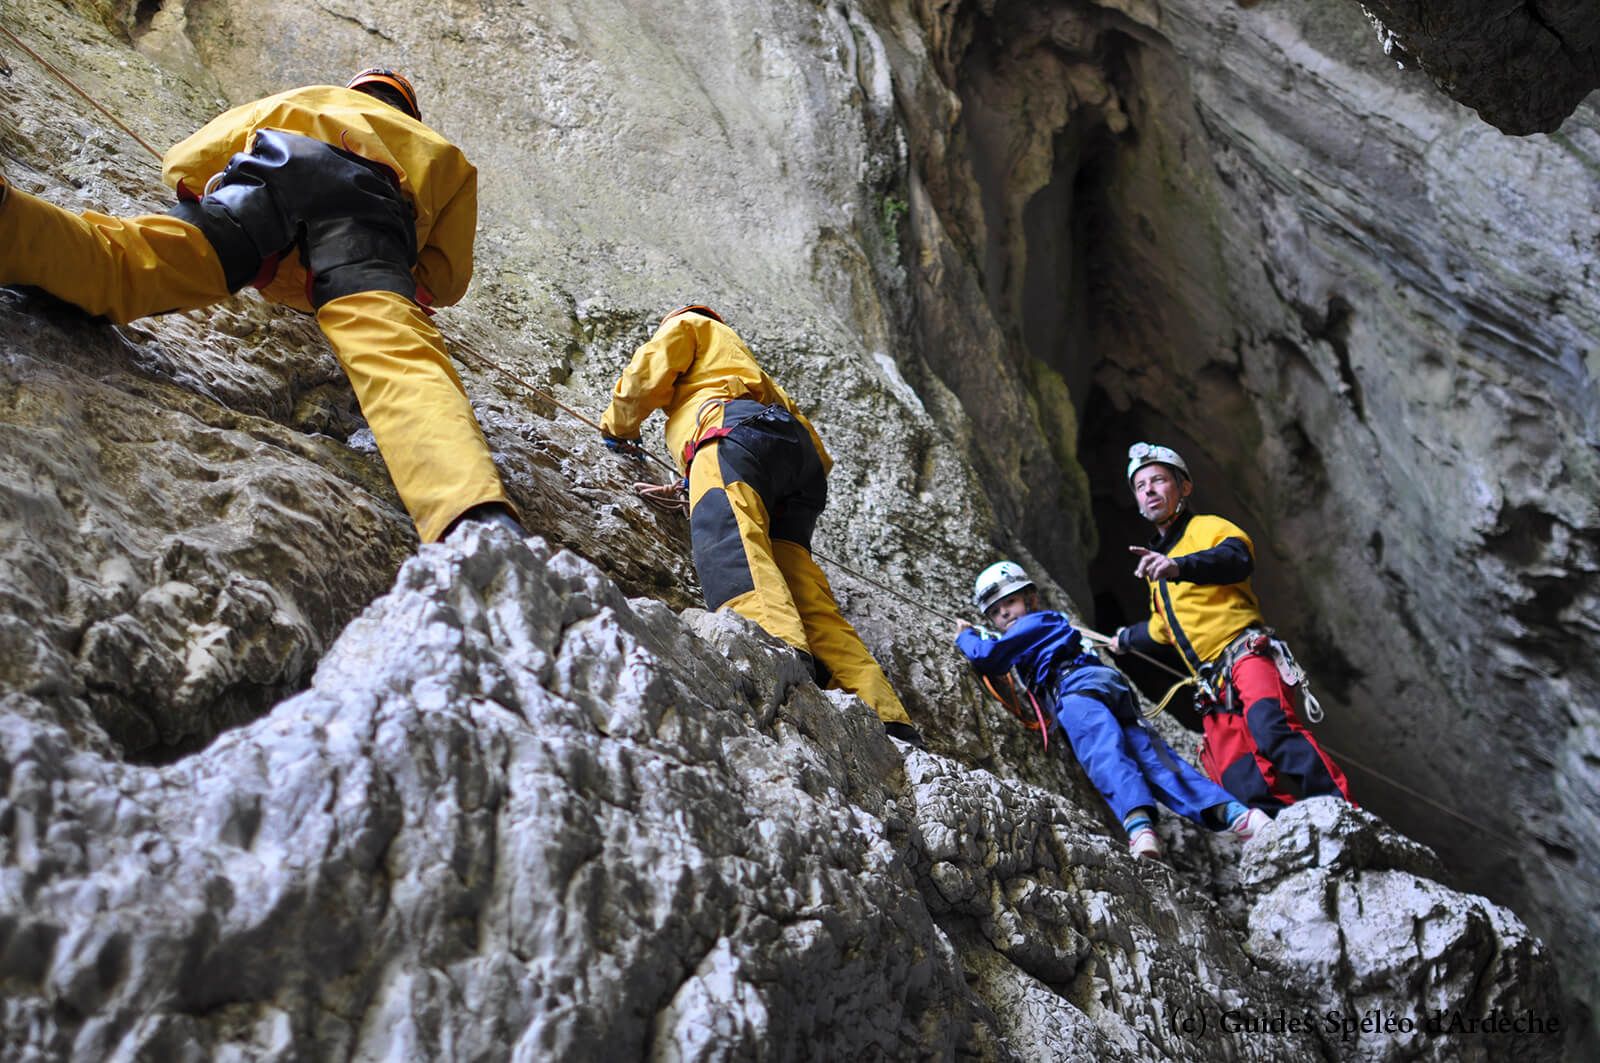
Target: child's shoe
[1249,825]
[1144,844]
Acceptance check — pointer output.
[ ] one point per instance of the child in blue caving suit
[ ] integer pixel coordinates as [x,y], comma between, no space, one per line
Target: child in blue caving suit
[1131,767]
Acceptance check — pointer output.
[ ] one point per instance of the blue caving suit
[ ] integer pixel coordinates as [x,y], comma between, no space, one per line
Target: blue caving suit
[1130,766]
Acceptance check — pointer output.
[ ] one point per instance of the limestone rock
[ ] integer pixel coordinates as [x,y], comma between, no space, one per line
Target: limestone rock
[1367,320]
[519,815]
[1395,964]
[985,244]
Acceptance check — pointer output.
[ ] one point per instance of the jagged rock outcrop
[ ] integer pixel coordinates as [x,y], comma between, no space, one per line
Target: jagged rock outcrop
[1523,67]
[982,244]
[519,816]
[1352,915]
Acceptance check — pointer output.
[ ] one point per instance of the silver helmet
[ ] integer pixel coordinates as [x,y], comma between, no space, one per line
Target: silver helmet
[997,581]
[1142,454]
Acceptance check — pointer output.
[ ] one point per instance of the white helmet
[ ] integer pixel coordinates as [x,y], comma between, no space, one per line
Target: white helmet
[1142,454]
[997,581]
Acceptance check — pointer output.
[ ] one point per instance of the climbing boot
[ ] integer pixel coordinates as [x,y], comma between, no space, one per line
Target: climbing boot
[1144,844]
[905,732]
[1249,825]
[490,515]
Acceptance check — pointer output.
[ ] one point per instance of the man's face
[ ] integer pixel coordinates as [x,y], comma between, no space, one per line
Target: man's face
[1159,490]
[1009,610]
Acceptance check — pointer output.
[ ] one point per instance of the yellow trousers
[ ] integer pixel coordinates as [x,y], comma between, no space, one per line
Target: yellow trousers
[120,268]
[126,268]
[775,582]
[415,405]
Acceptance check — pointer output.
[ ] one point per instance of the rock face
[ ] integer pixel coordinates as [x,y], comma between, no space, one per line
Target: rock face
[1348,911]
[985,245]
[519,816]
[1524,69]
[1368,322]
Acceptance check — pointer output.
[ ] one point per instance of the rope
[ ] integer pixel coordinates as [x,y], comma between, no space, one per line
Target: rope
[1478,828]
[1013,705]
[665,497]
[69,83]
[1109,641]
[1184,680]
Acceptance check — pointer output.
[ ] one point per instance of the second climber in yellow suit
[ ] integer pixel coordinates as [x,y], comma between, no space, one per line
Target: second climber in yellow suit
[337,200]
[758,481]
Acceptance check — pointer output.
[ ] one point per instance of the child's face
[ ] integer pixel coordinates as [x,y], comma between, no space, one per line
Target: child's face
[1010,609]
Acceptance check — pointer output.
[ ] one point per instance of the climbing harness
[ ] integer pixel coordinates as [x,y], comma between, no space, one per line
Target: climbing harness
[703,434]
[1217,677]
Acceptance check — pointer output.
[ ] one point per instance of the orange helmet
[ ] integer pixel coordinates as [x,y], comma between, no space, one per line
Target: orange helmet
[699,308]
[377,75]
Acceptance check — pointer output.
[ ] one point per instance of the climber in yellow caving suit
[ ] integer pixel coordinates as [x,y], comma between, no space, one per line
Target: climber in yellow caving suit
[337,200]
[757,476]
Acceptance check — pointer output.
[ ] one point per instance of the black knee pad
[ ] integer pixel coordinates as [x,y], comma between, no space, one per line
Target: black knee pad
[236,248]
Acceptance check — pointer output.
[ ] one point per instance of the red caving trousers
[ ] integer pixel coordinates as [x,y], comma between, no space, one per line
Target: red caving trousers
[1262,754]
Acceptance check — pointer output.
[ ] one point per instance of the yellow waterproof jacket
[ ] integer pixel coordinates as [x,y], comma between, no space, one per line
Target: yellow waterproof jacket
[689,360]
[435,178]
[1210,614]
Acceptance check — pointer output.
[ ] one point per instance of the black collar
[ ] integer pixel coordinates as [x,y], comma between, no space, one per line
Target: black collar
[1165,541]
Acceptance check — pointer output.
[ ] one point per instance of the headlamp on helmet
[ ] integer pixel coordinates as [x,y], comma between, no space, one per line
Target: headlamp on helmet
[1142,454]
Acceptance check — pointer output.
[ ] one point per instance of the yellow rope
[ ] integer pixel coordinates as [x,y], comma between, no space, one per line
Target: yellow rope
[1187,681]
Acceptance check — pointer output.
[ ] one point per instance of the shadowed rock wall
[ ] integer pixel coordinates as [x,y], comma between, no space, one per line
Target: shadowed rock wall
[1523,67]
[1368,321]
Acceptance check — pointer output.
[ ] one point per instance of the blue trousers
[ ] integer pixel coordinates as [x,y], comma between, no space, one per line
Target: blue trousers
[1131,767]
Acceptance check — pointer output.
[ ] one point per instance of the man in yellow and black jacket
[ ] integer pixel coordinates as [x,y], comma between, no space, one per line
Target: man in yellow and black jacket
[758,481]
[1201,603]
[331,199]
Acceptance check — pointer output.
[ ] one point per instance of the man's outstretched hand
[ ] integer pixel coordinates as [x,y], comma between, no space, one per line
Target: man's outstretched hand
[1153,566]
